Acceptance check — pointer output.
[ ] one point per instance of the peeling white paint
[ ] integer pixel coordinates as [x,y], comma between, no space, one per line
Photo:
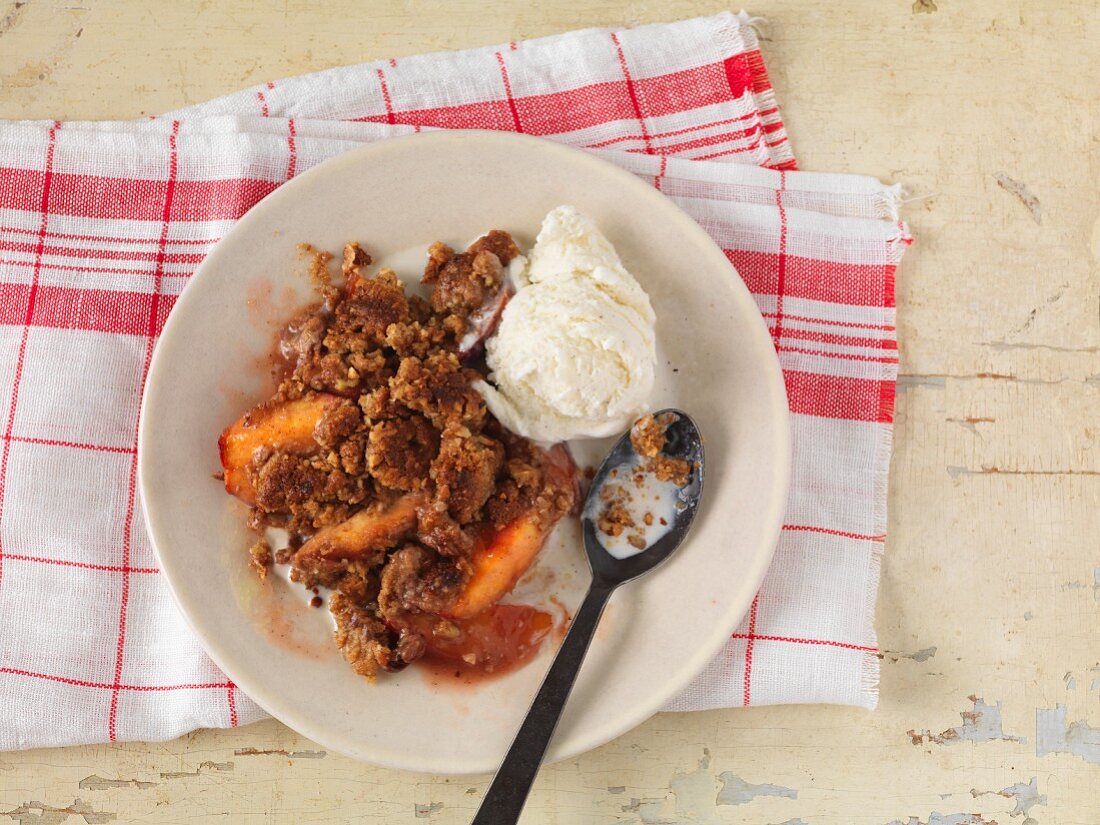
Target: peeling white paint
[39,813]
[425,811]
[922,655]
[937,818]
[650,811]
[1026,797]
[736,791]
[695,794]
[982,724]
[1052,735]
[694,797]
[280,752]
[203,766]
[99,783]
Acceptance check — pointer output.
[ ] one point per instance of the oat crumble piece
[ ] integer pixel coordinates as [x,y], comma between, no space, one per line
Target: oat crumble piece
[614,518]
[647,437]
[676,470]
[260,557]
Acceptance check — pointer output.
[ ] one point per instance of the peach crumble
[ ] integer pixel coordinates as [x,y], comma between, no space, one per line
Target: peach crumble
[401,492]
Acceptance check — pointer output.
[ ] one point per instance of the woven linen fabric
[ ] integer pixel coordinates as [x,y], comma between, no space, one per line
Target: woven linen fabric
[102,224]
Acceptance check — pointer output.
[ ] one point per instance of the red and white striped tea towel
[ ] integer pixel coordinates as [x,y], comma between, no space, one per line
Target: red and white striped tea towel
[101,224]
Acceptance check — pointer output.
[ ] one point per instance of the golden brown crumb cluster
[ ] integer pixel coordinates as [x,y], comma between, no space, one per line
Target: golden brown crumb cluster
[647,437]
[259,557]
[614,518]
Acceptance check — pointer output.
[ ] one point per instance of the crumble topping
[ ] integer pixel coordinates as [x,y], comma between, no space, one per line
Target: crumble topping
[381,460]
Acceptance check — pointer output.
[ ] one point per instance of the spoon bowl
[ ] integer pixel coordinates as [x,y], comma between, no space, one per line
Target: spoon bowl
[683,441]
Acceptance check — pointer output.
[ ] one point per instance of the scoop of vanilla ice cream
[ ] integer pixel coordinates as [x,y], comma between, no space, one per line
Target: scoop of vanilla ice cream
[575,353]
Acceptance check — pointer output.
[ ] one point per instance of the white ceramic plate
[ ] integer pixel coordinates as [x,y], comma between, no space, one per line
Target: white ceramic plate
[715,360]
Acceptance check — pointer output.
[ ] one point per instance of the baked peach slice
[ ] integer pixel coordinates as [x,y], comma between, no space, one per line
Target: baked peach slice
[498,561]
[501,556]
[372,530]
[281,425]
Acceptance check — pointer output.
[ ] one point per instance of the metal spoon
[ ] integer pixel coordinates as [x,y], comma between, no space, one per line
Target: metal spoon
[505,798]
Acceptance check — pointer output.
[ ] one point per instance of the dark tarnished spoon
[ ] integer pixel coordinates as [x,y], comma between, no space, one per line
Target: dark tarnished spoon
[505,798]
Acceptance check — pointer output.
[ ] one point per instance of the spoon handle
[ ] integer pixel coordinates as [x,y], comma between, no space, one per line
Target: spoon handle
[505,798]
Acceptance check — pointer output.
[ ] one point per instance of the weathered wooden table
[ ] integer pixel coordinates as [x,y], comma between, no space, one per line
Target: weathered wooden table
[989,110]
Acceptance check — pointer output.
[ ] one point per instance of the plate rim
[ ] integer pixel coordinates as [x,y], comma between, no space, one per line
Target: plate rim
[593,736]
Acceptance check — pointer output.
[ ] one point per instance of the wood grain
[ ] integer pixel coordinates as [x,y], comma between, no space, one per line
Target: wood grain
[988,110]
